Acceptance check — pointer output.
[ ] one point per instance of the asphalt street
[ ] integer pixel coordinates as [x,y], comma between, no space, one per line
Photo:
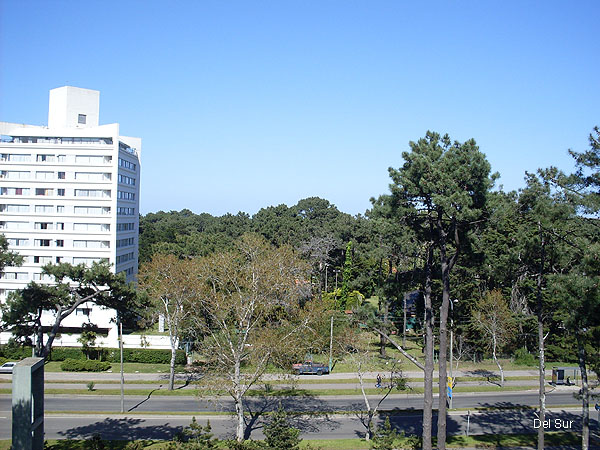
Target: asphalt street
[166,404]
[312,427]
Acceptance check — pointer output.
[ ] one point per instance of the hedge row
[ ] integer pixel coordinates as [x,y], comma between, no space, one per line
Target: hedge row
[14,352]
[133,355]
[84,365]
[145,355]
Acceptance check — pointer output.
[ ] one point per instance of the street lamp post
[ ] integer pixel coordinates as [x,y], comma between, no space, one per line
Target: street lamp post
[451,345]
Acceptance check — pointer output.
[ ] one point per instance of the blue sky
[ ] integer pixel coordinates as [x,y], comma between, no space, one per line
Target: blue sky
[243,105]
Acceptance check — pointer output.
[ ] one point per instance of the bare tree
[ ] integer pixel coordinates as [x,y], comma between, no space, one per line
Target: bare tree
[493,317]
[359,356]
[249,310]
[317,249]
[171,283]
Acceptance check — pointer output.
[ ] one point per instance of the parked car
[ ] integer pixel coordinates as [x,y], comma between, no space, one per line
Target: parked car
[7,367]
[309,367]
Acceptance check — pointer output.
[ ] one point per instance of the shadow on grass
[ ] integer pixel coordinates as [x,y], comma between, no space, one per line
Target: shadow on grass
[491,377]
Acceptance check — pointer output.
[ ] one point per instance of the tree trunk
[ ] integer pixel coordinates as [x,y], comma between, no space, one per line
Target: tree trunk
[497,362]
[239,406]
[443,352]
[404,322]
[239,410]
[382,309]
[428,373]
[172,366]
[542,362]
[585,402]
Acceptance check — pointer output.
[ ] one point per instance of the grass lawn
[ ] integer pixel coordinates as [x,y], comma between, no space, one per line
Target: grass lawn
[481,441]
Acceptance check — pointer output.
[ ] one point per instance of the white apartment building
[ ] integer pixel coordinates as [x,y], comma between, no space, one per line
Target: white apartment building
[69,192]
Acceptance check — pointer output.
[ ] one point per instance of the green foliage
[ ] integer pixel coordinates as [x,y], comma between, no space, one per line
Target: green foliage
[243,445]
[346,277]
[84,365]
[524,358]
[95,443]
[384,437]
[90,386]
[8,258]
[14,351]
[279,434]
[135,445]
[73,286]
[87,339]
[145,356]
[62,353]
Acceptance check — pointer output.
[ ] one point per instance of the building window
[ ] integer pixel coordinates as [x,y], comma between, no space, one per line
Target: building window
[42,259]
[45,158]
[43,225]
[14,208]
[83,312]
[125,242]
[81,118]
[44,208]
[18,242]
[44,175]
[14,191]
[60,243]
[58,259]
[125,226]
[42,242]
[60,192]
[61,175]
[60,209]
[60,225]
[43,191]
[91,227]
[14,175]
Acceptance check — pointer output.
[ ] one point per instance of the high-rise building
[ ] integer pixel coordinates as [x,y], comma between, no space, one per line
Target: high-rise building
[69,192]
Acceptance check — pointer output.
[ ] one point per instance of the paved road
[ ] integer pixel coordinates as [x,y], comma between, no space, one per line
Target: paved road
[107,403]
[324,427]
[162,385]
[115,376]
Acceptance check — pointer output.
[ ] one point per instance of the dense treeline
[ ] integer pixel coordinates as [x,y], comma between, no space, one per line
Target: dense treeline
[507,272]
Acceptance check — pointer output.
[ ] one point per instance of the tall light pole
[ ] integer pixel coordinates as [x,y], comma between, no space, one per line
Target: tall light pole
[326,267]
[451,345]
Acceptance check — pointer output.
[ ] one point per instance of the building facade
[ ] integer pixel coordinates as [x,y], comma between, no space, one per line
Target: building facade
[69,192]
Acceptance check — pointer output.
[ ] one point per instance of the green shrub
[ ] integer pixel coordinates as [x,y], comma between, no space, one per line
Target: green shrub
[524,358]
[145,355]
[279,434]
[84,365]
[62,353]
[13,351]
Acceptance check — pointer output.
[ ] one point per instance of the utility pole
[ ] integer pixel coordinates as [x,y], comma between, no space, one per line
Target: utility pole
[451,347]
[404,329]
[122,378]
[331,345]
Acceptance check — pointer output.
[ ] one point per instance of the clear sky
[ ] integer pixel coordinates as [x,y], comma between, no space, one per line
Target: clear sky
[247,104]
